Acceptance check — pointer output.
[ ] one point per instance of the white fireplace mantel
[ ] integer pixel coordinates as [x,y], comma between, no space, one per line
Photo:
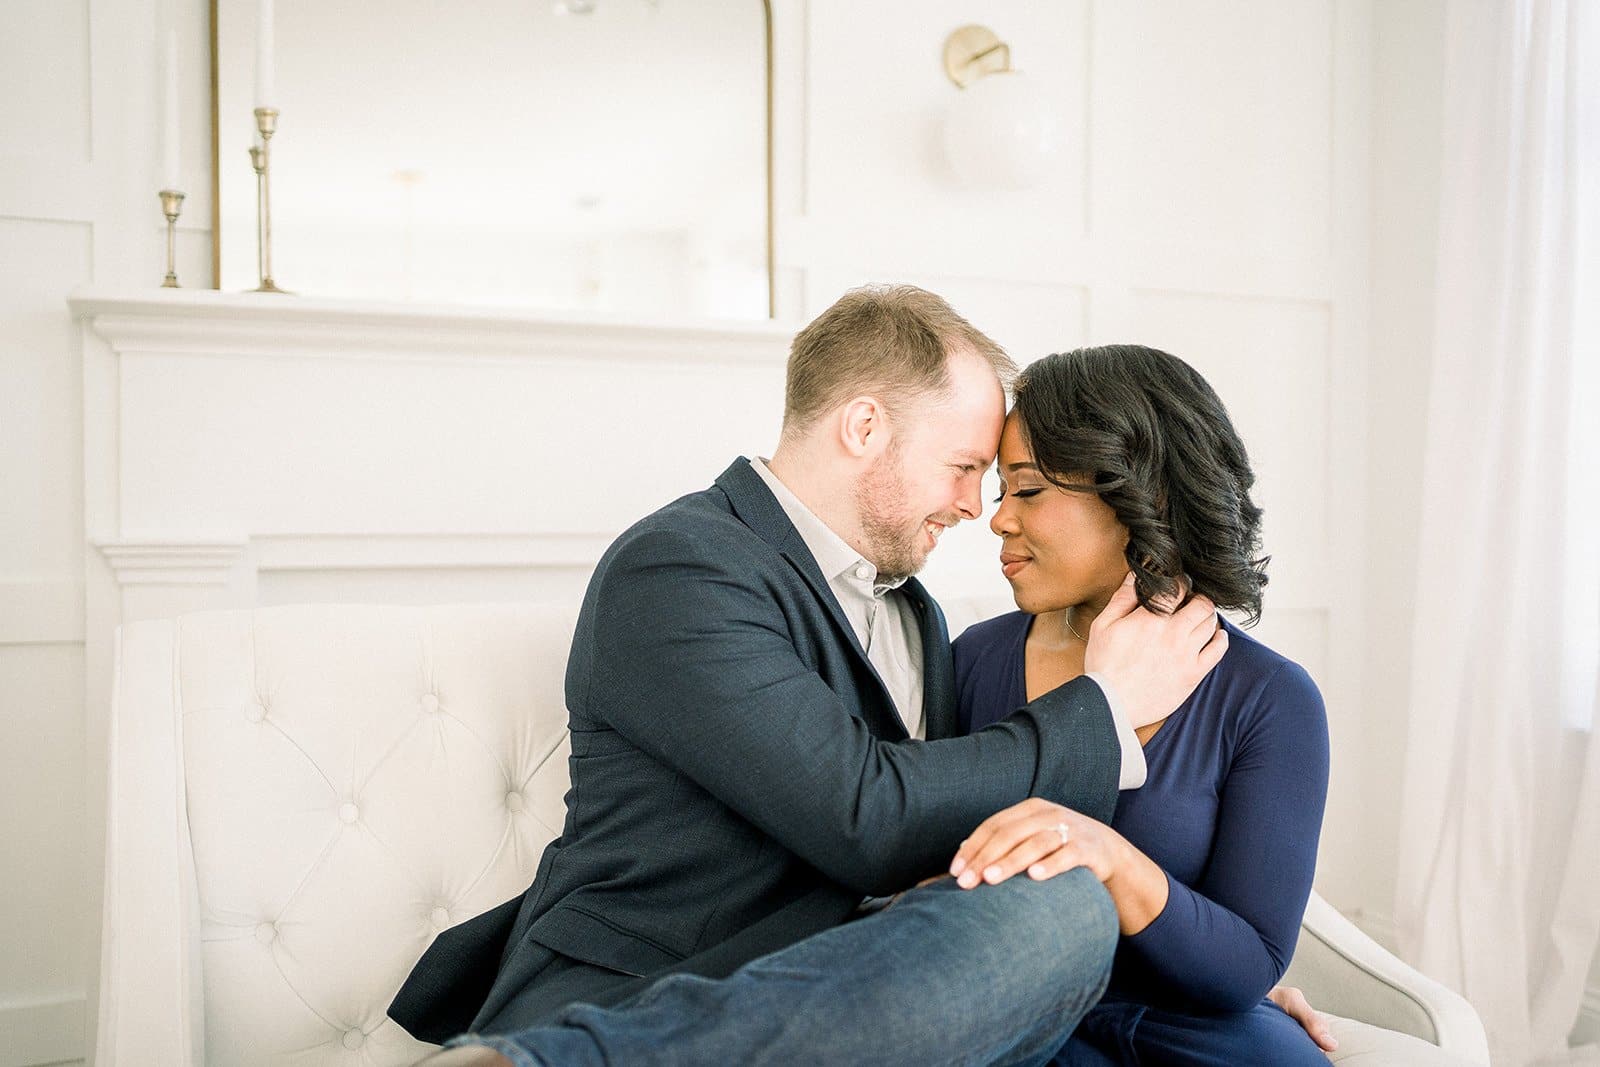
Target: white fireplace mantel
[208,322]
[245,449]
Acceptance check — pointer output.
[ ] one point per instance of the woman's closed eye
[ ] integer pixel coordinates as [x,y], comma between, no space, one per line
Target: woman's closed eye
[1021,493]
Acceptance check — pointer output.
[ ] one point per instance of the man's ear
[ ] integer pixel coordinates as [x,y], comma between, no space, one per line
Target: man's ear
[863,426]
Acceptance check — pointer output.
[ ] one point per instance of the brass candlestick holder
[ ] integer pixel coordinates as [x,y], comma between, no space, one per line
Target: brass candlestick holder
[171,207]
[261,160]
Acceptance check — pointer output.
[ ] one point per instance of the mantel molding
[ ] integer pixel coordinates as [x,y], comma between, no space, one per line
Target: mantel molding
[211,323]
[428,551]
[215,561]
[172,562]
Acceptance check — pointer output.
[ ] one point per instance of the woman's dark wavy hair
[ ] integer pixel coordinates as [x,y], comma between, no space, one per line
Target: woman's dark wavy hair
[1156,444]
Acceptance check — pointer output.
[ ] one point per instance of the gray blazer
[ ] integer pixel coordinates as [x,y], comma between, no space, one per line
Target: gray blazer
[740,778]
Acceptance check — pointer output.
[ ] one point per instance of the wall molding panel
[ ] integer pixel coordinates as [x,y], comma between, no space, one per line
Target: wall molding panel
[47,612]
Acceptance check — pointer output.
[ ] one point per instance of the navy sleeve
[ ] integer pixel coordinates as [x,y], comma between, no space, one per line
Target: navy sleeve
[714,688]
[1224,943]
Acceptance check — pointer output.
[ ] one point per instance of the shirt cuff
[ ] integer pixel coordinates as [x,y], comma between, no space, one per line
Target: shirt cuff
[1134,769]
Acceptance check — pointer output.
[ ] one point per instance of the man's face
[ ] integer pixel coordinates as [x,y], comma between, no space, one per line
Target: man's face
[929,478]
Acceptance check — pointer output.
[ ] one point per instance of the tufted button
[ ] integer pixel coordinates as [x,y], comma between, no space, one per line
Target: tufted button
[353,1039]
[515,801]
[255,712]
[266,932]
[349,813]
[430,703]
[441,917]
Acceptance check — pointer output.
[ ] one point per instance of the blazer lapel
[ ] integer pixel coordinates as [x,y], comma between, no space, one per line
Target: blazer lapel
[755,505]
[938,669]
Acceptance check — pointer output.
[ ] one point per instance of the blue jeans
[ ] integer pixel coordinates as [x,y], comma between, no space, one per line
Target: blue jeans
[992,975]
[1118,1032]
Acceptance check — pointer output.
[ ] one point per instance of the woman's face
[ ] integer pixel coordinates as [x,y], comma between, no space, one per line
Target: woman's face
[1059,548]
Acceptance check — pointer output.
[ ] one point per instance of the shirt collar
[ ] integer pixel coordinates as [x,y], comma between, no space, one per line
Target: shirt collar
[835,558]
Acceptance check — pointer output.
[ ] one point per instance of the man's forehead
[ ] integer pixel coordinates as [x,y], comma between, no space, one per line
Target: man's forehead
[975,385]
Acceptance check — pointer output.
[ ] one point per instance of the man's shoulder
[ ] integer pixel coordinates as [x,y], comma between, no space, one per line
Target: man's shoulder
[702,530]
[693,521]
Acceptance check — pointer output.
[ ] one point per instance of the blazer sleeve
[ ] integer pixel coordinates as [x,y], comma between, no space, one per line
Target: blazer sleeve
[690,658]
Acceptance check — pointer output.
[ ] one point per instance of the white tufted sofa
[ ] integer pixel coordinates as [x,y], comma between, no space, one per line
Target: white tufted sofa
[302,797]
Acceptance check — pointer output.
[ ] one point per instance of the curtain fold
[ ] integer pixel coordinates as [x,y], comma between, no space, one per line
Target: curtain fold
[1498,890]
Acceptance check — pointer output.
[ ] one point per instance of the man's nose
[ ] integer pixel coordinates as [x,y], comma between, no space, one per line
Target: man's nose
[970,502]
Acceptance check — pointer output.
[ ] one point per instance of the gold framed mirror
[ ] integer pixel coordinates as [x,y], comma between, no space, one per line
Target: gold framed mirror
[565,155]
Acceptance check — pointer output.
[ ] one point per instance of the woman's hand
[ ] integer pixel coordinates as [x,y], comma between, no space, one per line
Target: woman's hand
[1040,837]
[1045,839]
[1295,1005]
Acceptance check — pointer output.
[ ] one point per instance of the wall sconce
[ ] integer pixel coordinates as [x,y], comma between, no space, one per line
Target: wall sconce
[997,133]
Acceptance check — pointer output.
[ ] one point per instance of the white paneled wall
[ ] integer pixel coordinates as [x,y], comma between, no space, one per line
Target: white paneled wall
[1226,167]
[1212,200]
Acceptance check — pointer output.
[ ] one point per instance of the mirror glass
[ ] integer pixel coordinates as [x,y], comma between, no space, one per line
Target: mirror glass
[605,155]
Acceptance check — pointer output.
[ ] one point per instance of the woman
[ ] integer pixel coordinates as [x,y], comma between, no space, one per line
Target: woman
[1120,464]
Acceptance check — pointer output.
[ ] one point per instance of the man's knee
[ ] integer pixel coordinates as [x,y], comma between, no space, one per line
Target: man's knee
[1060,933]
[1071,914]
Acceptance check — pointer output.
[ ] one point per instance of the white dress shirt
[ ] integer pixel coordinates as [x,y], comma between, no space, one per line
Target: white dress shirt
[883,622]
[888,630]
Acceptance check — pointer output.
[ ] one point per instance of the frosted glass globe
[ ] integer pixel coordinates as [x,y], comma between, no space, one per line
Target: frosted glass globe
[998,133]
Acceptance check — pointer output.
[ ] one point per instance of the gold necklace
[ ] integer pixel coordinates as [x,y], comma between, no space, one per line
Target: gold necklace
[1067,618]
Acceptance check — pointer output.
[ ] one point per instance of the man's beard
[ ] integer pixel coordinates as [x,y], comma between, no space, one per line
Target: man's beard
[891,538]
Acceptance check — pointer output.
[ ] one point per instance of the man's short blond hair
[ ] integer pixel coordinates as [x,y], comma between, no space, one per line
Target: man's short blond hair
[892,342]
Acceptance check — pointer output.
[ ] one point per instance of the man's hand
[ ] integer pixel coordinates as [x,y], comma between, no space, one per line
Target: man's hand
[1153,662]
[1294,1002]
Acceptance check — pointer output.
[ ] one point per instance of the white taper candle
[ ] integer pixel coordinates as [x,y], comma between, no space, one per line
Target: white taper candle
[170,173]
[264,53]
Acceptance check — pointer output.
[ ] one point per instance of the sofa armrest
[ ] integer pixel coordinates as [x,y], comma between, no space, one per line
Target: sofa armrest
[1345,972]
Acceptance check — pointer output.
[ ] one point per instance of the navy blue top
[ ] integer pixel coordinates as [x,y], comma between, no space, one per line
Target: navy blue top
[1231,812]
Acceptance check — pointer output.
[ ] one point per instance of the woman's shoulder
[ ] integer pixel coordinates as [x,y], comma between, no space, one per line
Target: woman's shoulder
[979,642]
[1266,679]
[995,631]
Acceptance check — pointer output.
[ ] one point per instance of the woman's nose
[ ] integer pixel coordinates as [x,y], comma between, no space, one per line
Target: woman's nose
[1005,518]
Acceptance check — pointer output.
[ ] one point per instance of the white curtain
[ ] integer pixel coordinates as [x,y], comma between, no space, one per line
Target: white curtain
[1499,881]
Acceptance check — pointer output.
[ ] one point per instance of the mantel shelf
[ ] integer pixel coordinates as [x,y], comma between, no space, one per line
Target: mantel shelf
[205,321]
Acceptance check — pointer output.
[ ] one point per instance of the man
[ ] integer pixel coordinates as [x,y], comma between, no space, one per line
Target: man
[762,715]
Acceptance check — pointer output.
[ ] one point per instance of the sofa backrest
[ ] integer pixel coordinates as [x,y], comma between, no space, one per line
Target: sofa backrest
[353,780]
